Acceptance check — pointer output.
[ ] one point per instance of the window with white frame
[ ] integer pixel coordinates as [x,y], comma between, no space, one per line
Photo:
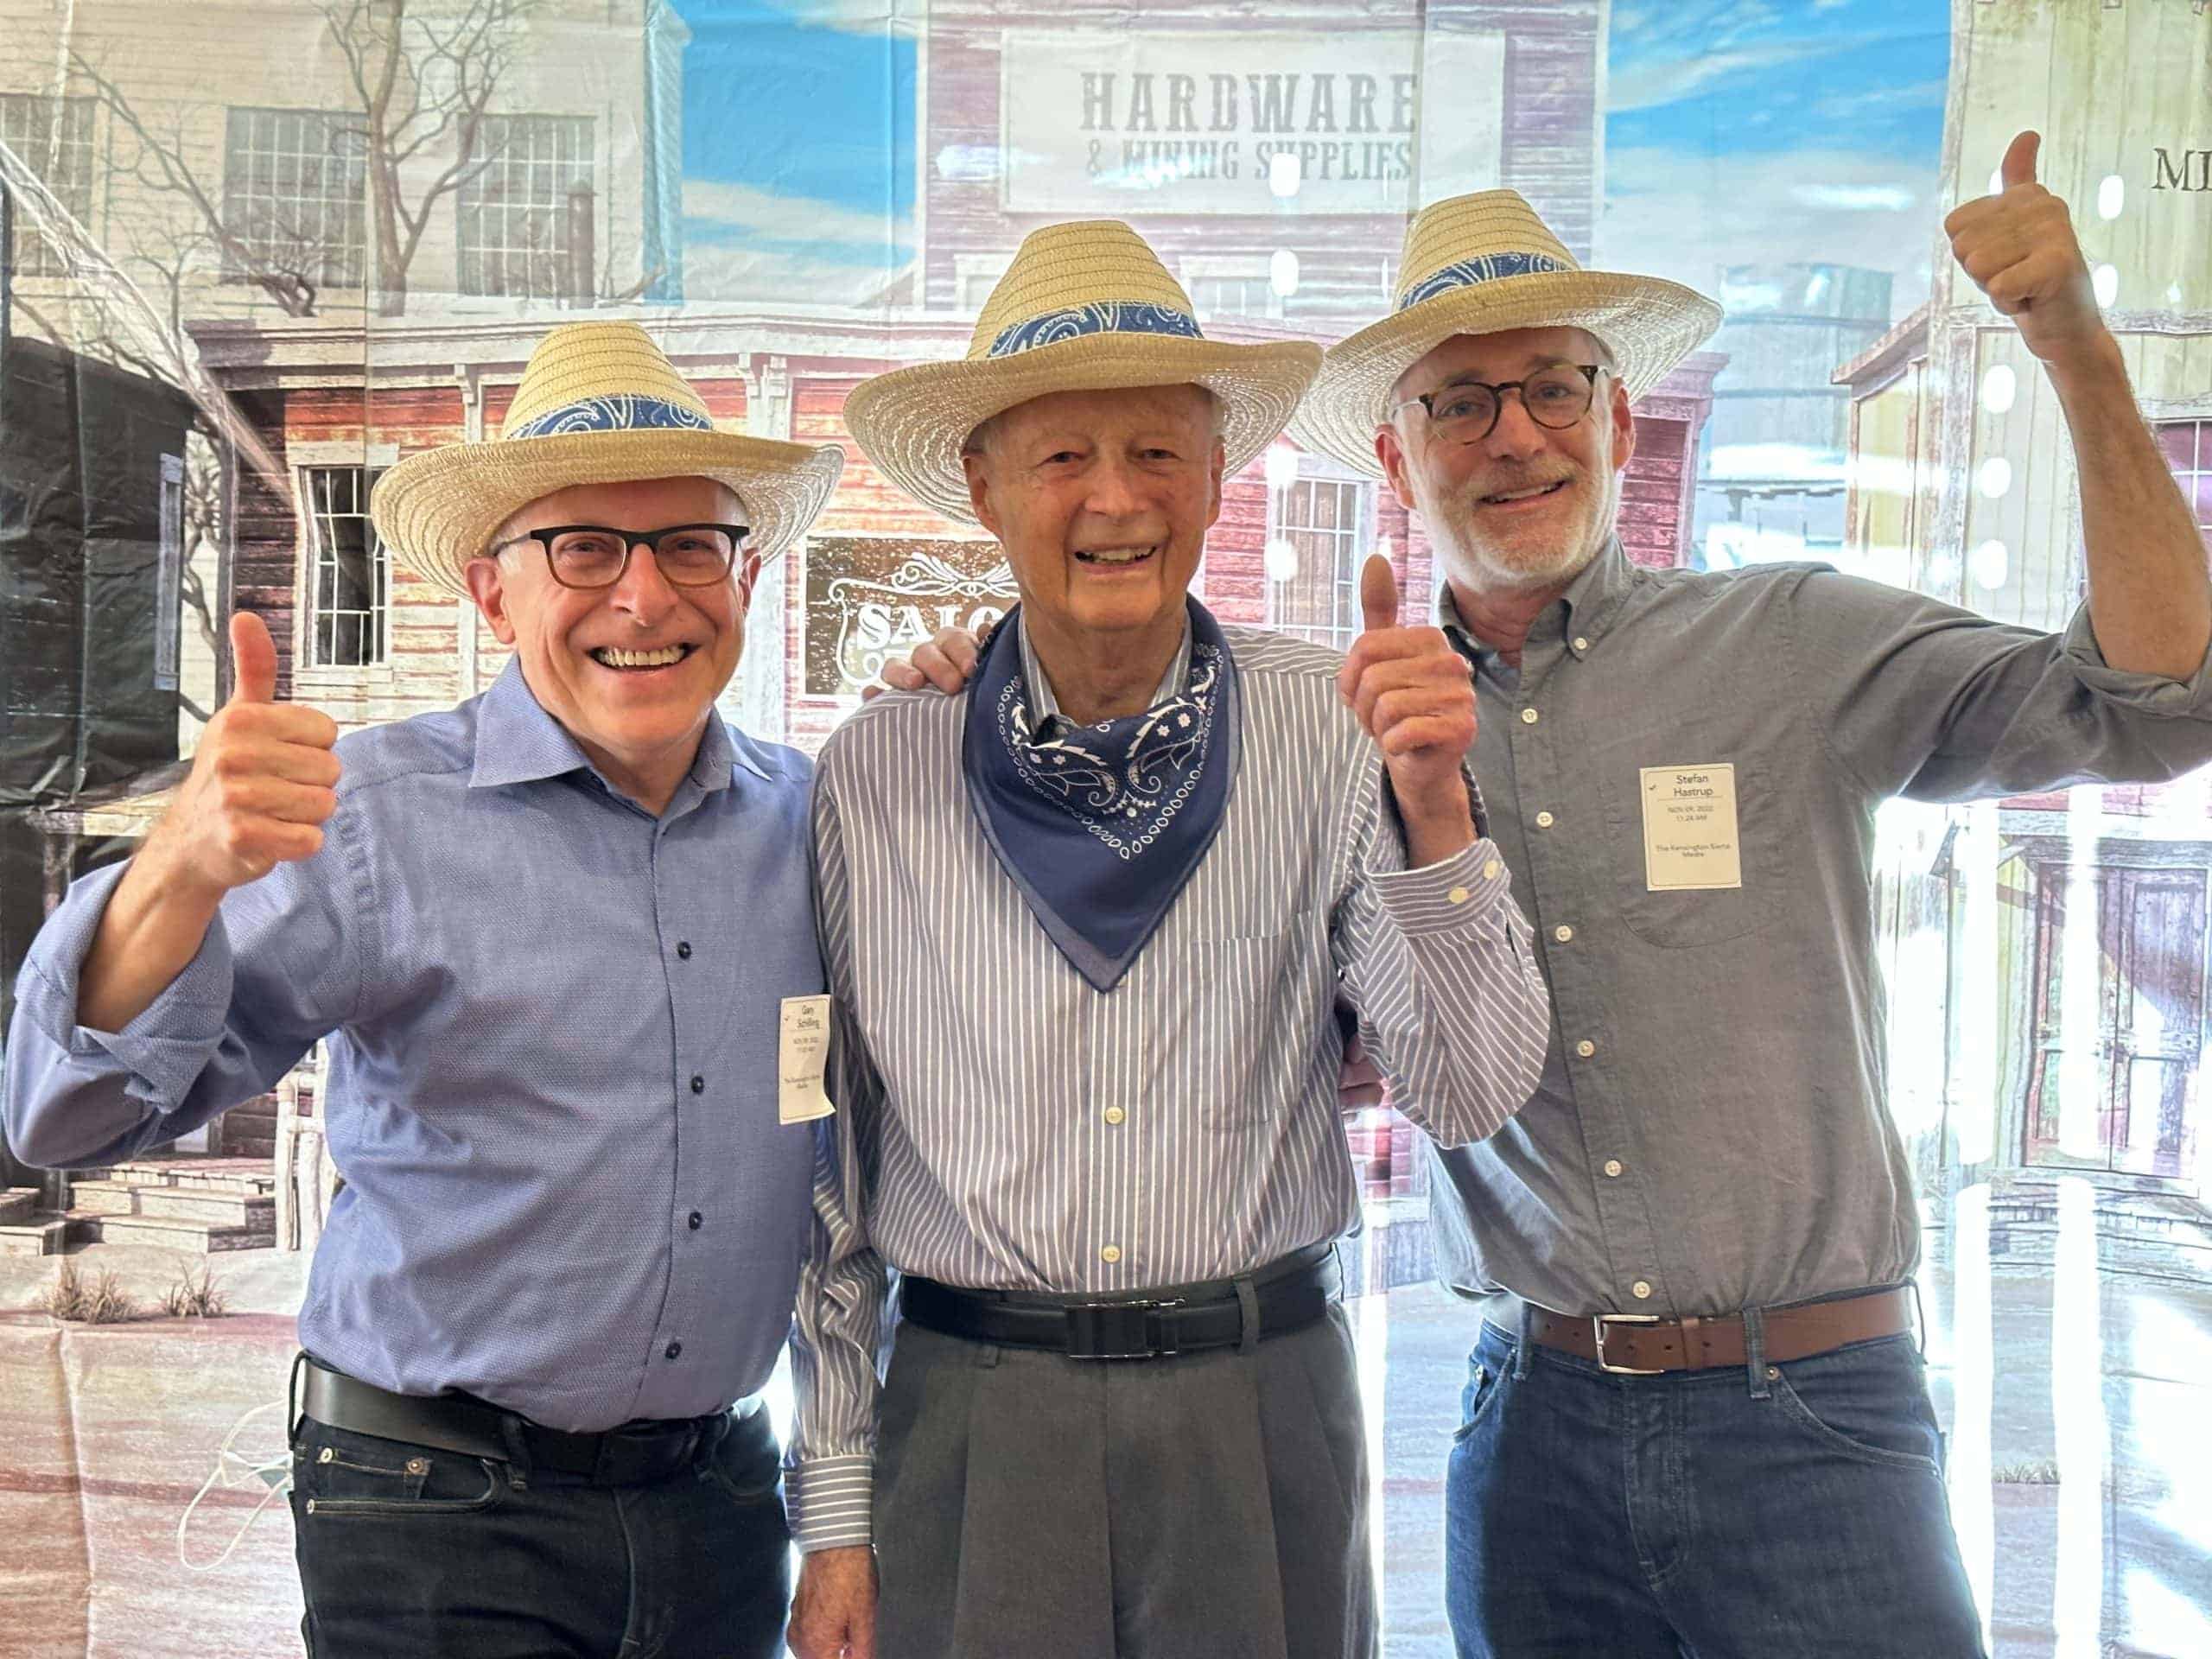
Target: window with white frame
[350,591]
[54,138]
[526,213]
[2188,446]
[295,193]
[1318,536]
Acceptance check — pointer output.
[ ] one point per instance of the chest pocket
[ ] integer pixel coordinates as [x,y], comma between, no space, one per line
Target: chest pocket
[1766,808]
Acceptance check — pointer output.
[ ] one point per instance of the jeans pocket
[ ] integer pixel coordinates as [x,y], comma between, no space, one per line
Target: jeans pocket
[1486,1381]
[1868,1404]
[338,1473]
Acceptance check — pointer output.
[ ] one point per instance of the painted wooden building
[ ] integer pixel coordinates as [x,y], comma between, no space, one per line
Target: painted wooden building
[2083,1055]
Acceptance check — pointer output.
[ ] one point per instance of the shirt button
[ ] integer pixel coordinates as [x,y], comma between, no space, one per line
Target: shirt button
[695,1221]
[1562,934]
[1115,1114]
[1543,820]
[1111,1253]
[674,1350]
[1580,644]
[1585,1048]
[1459,895]
[1490,869]
[698,1085]
[1642,1289]
[1613,1167]
[683,949]
[1527,716]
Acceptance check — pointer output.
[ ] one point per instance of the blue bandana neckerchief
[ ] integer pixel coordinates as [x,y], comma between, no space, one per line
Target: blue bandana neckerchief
[1100,826]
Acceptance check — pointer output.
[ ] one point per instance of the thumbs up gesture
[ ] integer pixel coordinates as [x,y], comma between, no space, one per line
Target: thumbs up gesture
[1412,693]
[2018,246]
[261,786]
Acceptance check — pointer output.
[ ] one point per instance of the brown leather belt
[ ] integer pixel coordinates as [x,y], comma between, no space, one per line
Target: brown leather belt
[1643,1344]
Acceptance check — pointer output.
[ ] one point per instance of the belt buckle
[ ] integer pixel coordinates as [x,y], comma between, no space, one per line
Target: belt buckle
[1598,1323]
[1117,1331]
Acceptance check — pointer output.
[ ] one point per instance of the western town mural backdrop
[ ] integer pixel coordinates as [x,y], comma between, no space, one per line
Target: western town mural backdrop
[253,254]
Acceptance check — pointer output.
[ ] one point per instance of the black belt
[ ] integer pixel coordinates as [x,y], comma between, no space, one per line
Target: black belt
[635,1453]
[1283,1296]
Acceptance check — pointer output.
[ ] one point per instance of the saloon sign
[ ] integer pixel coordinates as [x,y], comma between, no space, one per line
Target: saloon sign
[1125,122]
[872,599]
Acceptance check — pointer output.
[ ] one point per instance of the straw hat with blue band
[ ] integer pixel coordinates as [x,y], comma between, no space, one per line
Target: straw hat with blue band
[1084,306]
[599,403]
[1480,265]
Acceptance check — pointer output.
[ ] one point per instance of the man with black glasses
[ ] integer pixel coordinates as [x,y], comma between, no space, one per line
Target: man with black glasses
[556,939]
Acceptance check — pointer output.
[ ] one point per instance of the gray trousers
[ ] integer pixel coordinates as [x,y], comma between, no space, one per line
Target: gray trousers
[1208,1506]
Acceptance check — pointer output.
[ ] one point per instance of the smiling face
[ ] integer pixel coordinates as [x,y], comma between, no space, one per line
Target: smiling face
[632,670]
[1102,501]
[1527,507]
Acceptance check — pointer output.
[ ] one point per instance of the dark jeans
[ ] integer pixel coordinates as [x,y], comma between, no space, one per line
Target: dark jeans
[1759,1512]
[410,1550]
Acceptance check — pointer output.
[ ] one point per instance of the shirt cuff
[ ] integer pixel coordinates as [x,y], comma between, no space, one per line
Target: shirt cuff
[168,1045]
[2154,694]
[831,1503]
[1459,893]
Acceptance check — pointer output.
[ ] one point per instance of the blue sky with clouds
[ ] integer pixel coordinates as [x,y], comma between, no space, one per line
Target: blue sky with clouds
[1738,131]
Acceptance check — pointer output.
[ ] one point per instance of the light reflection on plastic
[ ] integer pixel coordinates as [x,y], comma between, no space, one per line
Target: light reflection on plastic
[1994,478]
[2106,281]
[1282,560]
[1998,388]
[1282,273]
[1284,173]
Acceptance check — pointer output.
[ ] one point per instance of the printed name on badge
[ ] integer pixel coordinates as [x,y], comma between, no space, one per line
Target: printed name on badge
[803,1053]
[1689,829]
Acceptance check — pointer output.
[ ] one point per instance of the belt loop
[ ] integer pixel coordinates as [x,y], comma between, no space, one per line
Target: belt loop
[1755,1352]
[1524,1318]
[1248,1310]
[517,1451]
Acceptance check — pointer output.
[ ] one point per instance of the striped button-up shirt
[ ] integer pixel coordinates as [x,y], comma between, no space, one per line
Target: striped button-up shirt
[1004,1125]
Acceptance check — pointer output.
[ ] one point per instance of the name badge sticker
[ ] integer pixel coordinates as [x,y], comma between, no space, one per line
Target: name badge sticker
[1690,842]
[802,1057]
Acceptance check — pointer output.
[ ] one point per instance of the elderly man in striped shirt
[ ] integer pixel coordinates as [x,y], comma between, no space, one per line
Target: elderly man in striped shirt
[1086,927]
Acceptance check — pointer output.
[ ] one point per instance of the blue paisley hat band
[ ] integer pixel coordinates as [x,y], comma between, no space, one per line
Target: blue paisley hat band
[1472,273]
[622,412]
[1108,317]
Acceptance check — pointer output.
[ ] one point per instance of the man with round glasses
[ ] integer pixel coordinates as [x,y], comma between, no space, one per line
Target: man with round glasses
[559,940]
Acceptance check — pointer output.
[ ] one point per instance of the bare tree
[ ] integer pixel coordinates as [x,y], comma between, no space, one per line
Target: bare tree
[425,85]
[423,79]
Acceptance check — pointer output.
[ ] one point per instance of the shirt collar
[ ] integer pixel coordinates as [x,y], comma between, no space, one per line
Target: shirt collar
[1040,686]
[1583,612]
[518,742]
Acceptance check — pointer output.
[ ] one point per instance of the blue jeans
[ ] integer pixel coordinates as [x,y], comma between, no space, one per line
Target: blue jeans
[1762,1512]
[410,1551]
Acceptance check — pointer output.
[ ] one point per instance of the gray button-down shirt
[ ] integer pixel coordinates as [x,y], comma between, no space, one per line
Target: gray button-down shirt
[1711,1131]
[1003,1124]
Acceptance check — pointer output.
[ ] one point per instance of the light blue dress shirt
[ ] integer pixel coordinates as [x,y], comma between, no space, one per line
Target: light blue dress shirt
[553,1026]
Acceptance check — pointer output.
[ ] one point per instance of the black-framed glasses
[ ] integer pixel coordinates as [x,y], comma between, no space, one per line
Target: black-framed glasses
[595,555]
[1466,411]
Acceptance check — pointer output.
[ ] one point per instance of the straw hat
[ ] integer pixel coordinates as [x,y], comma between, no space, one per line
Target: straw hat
[1084,306]
[1480,265]
[599,403]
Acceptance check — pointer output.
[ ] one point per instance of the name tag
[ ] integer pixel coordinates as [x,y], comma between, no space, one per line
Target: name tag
[803,1054]
[1689,829]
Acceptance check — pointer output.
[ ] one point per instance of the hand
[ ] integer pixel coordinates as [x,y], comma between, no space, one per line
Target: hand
[1360,1083]
[1415,696]
[944,662]
[262,785]
[833,1615]
[2019,247]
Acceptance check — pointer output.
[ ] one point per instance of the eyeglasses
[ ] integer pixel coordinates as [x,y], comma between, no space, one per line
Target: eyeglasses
[1466,411]
[595,555]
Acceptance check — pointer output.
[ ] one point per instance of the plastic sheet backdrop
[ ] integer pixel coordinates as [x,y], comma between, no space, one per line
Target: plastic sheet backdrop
[253,254]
